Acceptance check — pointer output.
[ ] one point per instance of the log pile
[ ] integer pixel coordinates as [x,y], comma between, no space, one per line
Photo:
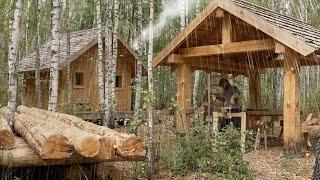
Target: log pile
[6,135]
[50,138]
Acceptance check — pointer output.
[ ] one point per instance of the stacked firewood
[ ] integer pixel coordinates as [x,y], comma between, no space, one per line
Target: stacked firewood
[58,136]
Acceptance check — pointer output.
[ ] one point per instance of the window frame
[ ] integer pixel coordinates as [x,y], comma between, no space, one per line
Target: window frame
[76,80]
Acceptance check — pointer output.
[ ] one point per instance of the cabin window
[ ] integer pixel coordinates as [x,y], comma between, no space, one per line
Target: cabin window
[79,78]
[118,81]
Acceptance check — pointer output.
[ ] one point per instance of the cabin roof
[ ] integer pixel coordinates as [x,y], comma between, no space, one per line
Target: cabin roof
[80,42]
[295,34]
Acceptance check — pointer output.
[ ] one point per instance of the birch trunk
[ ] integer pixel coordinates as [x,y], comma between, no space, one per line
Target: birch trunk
[182,15]
[139,62]
[108,49]
[197,72]
[69,76]
[54,69]
[150,83]
[37,56]
[113,66]
[100,59]
[12,60]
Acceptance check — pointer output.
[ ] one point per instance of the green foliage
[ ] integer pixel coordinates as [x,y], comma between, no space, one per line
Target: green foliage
[206,153]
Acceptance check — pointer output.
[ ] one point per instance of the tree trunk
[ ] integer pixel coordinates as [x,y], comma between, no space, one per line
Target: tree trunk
[37,56]
[6,135]
[182,15]
[100,59]
[113,66]
[150,83]
[47,144]
[126,145]
[197,72]
[68,74]
[12,60]
[139,62]
[108,63]
[54,69]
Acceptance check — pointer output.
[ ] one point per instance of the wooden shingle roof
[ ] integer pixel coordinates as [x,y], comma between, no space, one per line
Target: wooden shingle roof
[80,42]
[297,35]
[295,27]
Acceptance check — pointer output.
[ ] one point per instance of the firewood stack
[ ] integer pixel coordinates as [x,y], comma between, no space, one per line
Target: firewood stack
[57,137]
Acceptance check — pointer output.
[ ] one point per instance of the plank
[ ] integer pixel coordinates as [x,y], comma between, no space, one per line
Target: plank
[229,48]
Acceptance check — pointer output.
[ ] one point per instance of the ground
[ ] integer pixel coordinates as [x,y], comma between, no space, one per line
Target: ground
[274,164]
[268,164]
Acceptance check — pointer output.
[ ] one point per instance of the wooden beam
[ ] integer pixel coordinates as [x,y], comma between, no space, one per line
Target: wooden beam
[229,48]
[184,83]
[212,63]
[226,29]
[291,104]
[279,48]
[219,13]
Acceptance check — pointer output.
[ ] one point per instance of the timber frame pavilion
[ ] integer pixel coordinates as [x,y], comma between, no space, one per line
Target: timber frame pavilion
[240,38]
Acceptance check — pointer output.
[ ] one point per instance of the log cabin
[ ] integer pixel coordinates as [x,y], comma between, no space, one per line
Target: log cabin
[240,38]
[84,72]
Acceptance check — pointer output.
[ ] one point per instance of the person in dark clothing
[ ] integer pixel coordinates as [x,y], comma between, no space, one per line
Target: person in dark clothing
[230,97]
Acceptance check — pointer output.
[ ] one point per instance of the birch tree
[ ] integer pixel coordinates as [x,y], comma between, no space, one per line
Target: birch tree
[139,62]
[68,74]
[37,56]
[150,85]
[54,69]
[182,15]
[197,72]
[100,57]
[108,62]
[12,60]
[113,65]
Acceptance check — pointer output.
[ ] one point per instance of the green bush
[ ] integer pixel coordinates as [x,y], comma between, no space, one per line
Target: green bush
[208,154]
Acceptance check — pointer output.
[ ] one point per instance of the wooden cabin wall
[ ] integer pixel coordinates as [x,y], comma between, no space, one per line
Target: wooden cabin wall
[85,97]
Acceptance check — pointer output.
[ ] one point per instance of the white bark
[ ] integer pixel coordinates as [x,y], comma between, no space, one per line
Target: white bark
[37,57]
[197,72]
[139,62]
[182,15]
[113,66]
[150,83]
[100,58]
[108,49]
[54,69]
[69,75]
[12,60]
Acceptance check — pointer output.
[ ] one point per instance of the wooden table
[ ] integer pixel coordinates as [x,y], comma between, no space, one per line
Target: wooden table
[243,118]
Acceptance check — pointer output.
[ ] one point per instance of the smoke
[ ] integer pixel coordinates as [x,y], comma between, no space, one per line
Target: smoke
[170,11]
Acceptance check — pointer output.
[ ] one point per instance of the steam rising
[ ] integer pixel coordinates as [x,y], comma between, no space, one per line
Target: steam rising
[170,11]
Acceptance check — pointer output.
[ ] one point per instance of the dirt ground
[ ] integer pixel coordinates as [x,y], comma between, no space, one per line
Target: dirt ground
[274,164]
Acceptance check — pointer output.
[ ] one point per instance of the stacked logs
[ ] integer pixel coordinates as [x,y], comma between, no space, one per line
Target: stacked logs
[57,136]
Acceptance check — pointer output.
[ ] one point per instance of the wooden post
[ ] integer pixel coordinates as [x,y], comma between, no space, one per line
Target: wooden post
[226,29]
[254,94]
[243,131]
[291,104]
[184,82]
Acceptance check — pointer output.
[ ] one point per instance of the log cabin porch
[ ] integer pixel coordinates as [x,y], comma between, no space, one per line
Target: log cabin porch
[239,38]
